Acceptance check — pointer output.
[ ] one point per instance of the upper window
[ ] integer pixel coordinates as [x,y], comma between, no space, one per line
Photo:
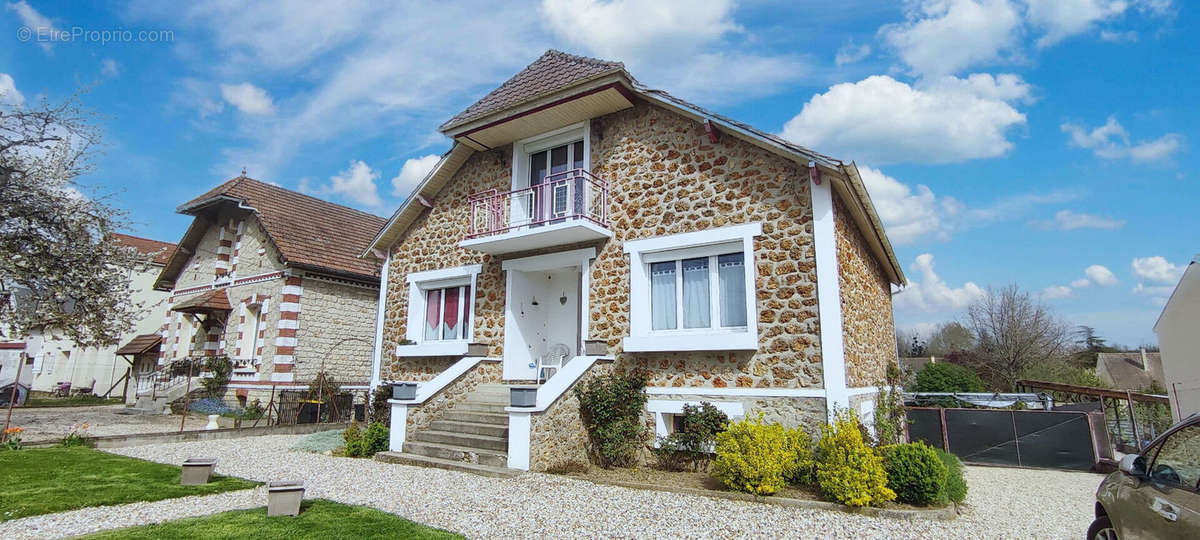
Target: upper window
[693,291]
[248,344]
[447,313]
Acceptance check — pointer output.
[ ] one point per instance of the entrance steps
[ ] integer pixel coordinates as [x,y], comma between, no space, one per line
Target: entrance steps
[471,436]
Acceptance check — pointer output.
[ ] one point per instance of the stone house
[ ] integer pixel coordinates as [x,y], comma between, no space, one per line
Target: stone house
[583,223]
[271,279]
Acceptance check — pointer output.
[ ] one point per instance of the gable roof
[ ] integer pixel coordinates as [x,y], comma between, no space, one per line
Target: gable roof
[162,251]
[1127,371]
[556,73]
[553,71]
[310,233]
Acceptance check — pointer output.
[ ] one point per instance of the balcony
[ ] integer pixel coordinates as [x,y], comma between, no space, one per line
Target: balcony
[569,207]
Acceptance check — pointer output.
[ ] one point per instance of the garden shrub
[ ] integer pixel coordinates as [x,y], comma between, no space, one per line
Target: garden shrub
[849,471]
[889,408]
[375,439]
[947,377]
[221,368]
[914,472]
[956,485]
[381,410]
[354,440]
[611,408]
[755,457]
[804,469]
[692,446]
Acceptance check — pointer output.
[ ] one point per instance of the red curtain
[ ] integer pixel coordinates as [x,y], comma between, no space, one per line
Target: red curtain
[451,307]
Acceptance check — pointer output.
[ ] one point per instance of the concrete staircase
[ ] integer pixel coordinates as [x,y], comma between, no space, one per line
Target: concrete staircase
[471,436]
[154,403]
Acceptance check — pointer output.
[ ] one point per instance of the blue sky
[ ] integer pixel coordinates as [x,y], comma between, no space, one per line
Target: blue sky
[1047,143]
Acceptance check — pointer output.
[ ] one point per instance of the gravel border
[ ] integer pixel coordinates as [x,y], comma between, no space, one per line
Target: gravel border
[1002,503]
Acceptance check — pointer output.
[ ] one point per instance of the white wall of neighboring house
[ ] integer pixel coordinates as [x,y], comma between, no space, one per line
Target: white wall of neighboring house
[58,359]
[1178,330]
[9,358]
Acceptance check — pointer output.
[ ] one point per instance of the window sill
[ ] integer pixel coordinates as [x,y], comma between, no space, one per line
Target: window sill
[449,348]
[716,341]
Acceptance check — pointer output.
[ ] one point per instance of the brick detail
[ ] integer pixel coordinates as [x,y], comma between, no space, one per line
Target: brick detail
[285,330]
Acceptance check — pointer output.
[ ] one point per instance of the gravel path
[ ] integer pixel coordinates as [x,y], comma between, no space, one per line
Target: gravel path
[1003,503]
[54,423]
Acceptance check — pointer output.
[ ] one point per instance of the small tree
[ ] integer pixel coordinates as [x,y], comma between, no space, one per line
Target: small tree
[60,269]
[1014,332]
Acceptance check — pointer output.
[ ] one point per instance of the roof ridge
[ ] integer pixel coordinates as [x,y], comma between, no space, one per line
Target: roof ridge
[135,237]
[238,180]
[579,57]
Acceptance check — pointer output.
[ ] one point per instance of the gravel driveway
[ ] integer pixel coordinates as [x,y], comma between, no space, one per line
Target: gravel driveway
[53,423]
[1003,503]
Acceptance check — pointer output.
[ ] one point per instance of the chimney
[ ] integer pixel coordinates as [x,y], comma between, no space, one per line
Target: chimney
[1145,365]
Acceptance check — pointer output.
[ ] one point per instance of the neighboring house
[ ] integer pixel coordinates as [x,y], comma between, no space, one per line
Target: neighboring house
[1133,370]
[11,354]
[580,217]
[271,279]
[57,360]
[1179,340]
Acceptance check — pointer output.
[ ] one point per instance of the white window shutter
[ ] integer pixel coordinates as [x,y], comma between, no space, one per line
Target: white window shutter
[37,362]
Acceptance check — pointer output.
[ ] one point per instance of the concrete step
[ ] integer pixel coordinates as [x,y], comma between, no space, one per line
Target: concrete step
[452,452]
[472,428]
[488,408]
[476,417]
[426,461]
[483,442]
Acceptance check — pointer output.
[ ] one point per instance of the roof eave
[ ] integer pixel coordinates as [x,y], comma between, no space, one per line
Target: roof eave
[467,124]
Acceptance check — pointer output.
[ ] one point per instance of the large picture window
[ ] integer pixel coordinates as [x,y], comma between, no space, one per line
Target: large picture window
[693,291]
[447,313]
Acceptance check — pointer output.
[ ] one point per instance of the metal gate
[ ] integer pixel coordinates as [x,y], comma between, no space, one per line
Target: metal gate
[1046,439]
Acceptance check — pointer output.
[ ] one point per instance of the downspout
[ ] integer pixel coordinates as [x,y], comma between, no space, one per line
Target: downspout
[380,309]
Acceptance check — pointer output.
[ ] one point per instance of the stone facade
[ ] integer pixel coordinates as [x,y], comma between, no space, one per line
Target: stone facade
[557,436]
[868,335]
[337,323]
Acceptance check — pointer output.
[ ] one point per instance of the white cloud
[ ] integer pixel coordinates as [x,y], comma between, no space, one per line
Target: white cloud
[1081,283]
[411,174]
[910,214]
[1118,37]
[1159,294]
[8,91]
[1101,275]
[851,53]
[1111,141]
[110,67]
[1057,291]
[931,293]
[1156,269]
[881,120]
[947,36]
[248,98]
[1068,220]
[693,48]
[1060,19]
[356,183]
[37,23]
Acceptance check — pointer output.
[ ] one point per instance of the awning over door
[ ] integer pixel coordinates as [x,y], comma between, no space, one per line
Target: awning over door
[140,344]
[206,302]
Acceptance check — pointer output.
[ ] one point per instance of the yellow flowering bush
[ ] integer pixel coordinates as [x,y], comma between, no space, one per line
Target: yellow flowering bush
[849,471]
[754,457]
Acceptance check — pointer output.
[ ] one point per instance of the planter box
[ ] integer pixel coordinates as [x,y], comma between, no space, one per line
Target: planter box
[283,498]
[522,397]
[404,391]
[197,471]
[595,347]
[477,349]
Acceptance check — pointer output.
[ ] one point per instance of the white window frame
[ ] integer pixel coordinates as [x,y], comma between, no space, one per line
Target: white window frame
[708,242]
[419,283]
[250,327]
[523,148]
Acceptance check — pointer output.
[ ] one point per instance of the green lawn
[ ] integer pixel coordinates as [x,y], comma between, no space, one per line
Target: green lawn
[33,402]
[46,480]
[318,519]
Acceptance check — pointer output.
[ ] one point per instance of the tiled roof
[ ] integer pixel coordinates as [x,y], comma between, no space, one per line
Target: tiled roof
[140,344]
[205,302]
[1126,369]
[554,71]
[162,250]
[309,232]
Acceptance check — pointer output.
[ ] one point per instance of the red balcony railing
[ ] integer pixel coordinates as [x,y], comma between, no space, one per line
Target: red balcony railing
[564,196]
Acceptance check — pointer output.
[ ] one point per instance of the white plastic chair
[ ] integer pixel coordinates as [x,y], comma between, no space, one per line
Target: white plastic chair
[554,359]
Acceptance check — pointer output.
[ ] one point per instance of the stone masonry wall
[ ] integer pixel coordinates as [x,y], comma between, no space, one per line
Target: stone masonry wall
[337,330]
[665,177]
[201,268]
[557,436]
[868,333]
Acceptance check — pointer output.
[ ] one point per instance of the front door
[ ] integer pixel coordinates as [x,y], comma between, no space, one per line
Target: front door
[541,319]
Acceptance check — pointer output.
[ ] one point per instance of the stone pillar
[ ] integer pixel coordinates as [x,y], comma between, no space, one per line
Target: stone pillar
[285,331]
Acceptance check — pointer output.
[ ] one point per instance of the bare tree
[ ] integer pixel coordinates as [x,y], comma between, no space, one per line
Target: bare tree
[1013,332]
[60,269]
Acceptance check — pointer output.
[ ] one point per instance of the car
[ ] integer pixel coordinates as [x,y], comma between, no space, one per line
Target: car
[1154,493]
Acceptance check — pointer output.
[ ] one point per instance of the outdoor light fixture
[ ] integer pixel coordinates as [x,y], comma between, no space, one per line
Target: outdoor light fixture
[563,299]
